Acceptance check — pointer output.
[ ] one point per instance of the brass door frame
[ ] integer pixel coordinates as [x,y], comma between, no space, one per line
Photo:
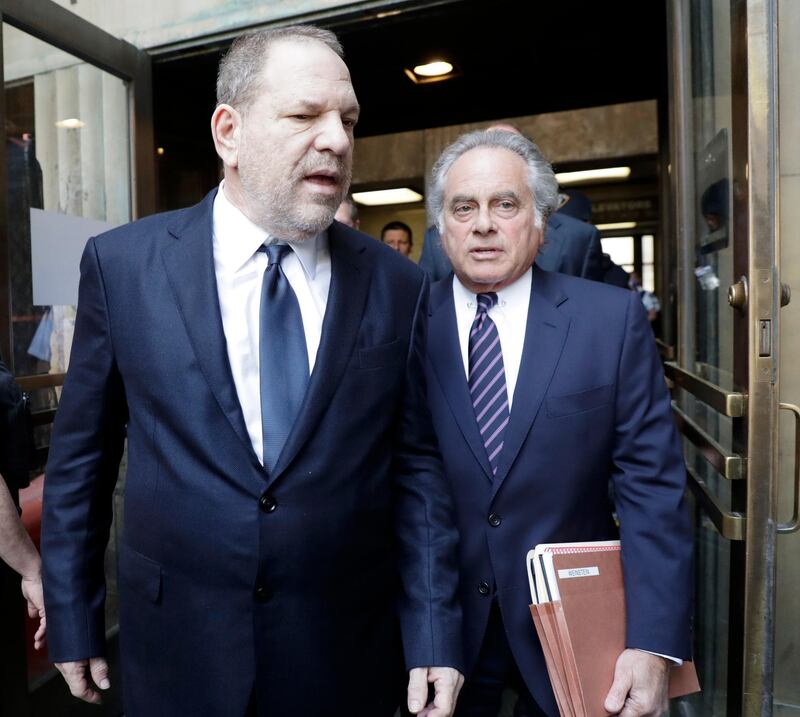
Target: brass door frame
[755,143]
[752,520]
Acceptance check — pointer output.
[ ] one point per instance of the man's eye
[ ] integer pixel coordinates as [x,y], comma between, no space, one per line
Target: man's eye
[506,205]
[301,118]
[462,209]
[349,122]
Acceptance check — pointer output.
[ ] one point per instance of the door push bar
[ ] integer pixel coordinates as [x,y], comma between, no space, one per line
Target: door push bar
[730,466]
[725,402]
[730,525]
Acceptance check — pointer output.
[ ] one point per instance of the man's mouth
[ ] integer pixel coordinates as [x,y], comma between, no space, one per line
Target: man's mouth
[484,252]
[323,179]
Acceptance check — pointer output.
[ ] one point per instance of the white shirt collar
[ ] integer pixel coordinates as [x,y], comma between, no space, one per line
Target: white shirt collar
[517,294]
[238,239]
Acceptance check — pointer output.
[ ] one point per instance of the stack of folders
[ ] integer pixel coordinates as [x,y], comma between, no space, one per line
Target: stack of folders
[579,612]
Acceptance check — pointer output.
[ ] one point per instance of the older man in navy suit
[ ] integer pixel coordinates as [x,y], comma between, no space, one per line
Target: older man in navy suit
[543,387]
[288,539]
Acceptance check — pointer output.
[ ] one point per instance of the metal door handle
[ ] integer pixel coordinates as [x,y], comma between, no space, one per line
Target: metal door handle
[730,466]
[794,524]
[728,403]
[729,525]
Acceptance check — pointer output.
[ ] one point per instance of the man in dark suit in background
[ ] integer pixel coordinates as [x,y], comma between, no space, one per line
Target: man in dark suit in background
[571,246]
[543,387]
[288,535]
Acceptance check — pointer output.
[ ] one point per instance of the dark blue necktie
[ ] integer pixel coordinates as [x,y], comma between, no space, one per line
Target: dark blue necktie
[283,355]
[487,380]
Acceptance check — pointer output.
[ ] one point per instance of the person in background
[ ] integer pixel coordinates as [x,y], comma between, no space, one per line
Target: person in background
[398,235]
[347,213]
[613,273]
[18,552]
[649,300]
[16,548]
[577,205]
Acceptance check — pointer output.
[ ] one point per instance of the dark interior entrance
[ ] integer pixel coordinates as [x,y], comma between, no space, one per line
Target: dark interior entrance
[511,58]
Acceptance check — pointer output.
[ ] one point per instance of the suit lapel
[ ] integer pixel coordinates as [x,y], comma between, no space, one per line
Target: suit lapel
[545,334]
[189,263]
[444,353]
[350,279]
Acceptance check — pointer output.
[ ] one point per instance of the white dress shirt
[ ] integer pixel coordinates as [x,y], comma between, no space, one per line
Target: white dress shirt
[239,268]
[510,315]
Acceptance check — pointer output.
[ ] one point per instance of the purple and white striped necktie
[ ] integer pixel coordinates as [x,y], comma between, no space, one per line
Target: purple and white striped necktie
[487,380]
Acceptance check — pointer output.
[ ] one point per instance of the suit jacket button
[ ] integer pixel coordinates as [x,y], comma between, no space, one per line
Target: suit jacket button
[263,593]
[494,520]
[267,503]
[483,587]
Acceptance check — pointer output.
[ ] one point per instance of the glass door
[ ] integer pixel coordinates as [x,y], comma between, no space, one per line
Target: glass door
[725,379]
[78,158]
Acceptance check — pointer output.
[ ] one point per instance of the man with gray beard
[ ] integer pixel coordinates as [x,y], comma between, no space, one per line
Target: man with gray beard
[288,540]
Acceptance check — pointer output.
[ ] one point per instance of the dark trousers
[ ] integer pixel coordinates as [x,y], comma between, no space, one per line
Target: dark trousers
[252,708]
[494,672]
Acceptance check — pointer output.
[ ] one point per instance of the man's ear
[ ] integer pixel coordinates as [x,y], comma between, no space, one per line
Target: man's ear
[226,129]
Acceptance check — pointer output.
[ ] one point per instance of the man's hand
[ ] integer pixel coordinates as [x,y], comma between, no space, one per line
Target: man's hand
[446,682]
[32,592]
[84,677]
[640,685]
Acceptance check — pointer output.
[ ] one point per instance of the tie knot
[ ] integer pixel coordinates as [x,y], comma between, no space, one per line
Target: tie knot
[275,252]
[486,301]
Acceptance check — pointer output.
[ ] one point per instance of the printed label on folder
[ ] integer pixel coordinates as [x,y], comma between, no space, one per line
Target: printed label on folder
[578,572]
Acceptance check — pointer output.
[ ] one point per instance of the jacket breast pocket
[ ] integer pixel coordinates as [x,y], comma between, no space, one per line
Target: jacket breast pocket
[381,355]
[140,573]
[568,404]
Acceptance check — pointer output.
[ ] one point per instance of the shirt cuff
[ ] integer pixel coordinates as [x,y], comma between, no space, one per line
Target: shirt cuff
[677,660]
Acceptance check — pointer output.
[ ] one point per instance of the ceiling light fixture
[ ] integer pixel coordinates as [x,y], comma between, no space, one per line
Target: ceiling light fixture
[593,175]
[71,123]
[616,225]
[433,71]
[401,195]
[437,68]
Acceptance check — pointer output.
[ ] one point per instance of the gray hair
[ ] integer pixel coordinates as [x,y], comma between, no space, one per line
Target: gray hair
[541,180]
[239,75]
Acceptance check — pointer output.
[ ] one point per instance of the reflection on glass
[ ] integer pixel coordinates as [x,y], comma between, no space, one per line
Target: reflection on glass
[67,144]
[67,148]
[711,356]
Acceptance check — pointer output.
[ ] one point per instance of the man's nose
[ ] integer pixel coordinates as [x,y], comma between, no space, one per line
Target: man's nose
[484,223]
[333,136]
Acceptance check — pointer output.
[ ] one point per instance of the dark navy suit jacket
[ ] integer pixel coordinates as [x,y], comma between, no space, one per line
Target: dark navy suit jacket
[311,594]
[570,247]
[590,405]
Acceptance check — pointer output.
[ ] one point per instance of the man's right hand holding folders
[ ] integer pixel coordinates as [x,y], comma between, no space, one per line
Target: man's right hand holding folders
[640,685]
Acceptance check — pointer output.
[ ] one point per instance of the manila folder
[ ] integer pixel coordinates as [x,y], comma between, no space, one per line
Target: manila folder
[593,600]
